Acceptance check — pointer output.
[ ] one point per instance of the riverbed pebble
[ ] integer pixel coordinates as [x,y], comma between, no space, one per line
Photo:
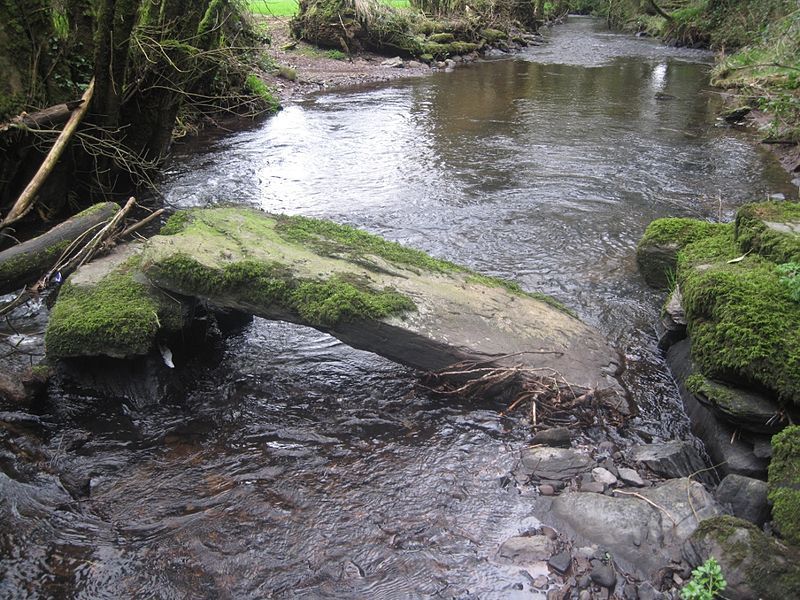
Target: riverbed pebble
[604,476]
[603,575]
[560,562]
[557,436]
[631,477]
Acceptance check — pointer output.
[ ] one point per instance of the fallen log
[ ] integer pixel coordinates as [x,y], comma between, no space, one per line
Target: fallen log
[26,262]
[43,119]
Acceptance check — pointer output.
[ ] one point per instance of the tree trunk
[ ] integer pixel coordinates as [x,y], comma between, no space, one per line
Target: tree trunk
[26,262]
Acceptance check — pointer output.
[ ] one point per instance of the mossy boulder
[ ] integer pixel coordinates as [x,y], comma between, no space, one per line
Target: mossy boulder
[744,325]
[107,309]
[754,564]
[657,251]
[771,229]
[784,483]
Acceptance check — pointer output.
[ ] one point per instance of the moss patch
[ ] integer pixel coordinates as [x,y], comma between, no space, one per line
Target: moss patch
[742,320]
[784,482]
[321,303]
[754,235]
[118,317]
[332,239]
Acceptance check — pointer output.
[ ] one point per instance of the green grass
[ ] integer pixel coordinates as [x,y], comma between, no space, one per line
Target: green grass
[287,8]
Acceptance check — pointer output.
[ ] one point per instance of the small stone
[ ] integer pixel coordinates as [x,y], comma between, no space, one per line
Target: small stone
[584,581]
[557,436]
[540,582]
[677,579]
[560,562]
[594,487]
[547,490]
[587,552]
[603,575]
[630,477]
[777,197]
[524,550]
[603,476]
[629,592]
[394,63]
[646,591]
[585,595]
[607,446]
[414,64]
[549,532]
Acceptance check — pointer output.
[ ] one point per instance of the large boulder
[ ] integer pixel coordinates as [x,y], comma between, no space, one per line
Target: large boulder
[754,565]
[643,530]
[372,294]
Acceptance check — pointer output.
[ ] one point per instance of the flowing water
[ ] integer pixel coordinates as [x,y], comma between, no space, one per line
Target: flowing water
[284,464]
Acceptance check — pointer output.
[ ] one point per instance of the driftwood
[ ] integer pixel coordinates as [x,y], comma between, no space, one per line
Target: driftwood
[43,119]
[27,198]
[26,262]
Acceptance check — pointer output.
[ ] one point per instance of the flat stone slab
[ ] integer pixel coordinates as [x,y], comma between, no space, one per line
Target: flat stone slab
[554,463]
[457,314]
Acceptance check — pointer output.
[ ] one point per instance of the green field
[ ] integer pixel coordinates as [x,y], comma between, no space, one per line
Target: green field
[287,8]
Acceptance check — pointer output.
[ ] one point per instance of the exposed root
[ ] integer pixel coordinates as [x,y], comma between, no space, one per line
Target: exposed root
[548,397]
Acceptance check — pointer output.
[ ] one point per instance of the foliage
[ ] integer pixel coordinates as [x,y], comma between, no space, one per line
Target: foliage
[707,582]
[784,482]
[790,277]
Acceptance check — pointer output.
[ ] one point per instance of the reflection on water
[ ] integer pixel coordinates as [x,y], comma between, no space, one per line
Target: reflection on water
[287,464]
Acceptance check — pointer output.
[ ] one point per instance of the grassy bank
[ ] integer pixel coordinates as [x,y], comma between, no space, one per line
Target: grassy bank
[287,8]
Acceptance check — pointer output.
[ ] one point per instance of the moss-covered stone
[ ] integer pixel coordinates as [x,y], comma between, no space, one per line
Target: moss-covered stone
[753,564]
[743,323]
[117,316]
[657,251]
[318,303]
[771,229]
[442,38]
[492,36]
[784,482]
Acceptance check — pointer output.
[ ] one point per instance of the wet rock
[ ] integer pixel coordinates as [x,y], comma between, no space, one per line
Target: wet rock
[557,436]
[631,477]
[413,64]
[25,386]
[646,591]
[673,321]
[603,575]
[745,498]
[744,409]
[554,463]
[525,550]
[728,448]
[547,490]
[754,564]
[671,459]
[540,582]
[641,538]
[585,595]
[603,476]
[560,562]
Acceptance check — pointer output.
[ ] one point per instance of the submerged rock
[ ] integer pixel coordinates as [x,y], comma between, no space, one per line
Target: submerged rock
[643,532]
[754,565]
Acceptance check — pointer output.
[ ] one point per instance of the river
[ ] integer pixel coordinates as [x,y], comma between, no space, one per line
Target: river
[285,464]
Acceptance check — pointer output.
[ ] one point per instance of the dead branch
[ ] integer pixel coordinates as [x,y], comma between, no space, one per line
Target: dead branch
[651,503]
[27,199]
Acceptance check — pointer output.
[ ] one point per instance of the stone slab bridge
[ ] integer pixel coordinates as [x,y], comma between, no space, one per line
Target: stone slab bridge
[371,294]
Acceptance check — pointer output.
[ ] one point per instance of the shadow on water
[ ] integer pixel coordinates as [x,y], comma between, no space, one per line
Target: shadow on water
[287,464]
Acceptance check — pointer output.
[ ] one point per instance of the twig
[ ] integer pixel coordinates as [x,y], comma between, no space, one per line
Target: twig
[659,507]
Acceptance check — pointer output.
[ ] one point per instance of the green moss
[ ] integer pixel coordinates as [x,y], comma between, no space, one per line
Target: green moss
[441,51]
[678,231]
[119,316]
[784,482]
[176,223]
[332,239]
[716,393]
[753,235]
[258,88]
[493,36]
[743,323]
[442,38]
[320,303]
